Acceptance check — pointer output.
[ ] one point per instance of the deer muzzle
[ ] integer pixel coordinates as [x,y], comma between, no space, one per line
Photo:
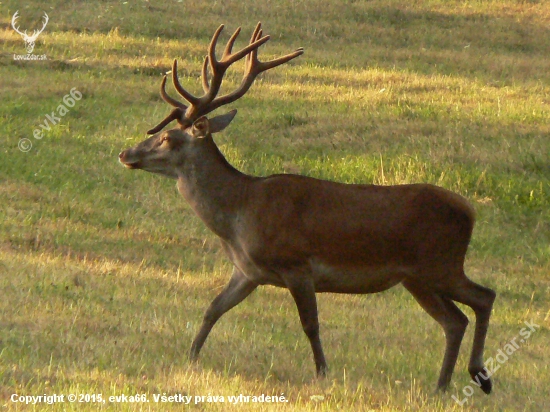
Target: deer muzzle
[125,158]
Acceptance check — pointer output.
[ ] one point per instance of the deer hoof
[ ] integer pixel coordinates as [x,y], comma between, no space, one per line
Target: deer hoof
[481,378]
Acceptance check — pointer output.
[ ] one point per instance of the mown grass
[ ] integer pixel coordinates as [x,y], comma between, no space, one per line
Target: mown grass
[105,274]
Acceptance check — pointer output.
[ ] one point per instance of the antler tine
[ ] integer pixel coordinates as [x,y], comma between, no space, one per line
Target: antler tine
[253,56]
[46,20]
[204,77]
[212,49]
[175,114]
[256,34]
[184,93]
[230,43]
[263,66]
[14,21]
[167,98]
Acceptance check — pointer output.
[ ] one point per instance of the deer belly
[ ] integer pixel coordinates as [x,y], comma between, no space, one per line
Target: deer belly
[355,280]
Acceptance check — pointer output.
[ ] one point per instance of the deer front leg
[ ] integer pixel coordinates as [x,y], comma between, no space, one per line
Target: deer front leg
[238,288]
[303,292]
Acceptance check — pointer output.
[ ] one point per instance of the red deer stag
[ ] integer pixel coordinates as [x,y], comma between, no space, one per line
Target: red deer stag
[310,235]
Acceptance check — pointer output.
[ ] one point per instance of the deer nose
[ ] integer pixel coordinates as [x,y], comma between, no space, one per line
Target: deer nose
[122,156]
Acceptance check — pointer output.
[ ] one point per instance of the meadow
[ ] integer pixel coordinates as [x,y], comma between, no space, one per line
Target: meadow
[105,273]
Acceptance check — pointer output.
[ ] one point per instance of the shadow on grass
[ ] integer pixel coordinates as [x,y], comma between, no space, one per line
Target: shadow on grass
[499,48]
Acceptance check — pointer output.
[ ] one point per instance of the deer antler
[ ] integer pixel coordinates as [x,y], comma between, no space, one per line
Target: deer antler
[35,34]
[13,21]
[199,106]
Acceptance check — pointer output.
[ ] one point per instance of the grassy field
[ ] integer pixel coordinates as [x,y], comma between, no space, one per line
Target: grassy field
[105,273]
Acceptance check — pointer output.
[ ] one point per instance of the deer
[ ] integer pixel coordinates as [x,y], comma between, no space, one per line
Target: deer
[310,235]
[29,40]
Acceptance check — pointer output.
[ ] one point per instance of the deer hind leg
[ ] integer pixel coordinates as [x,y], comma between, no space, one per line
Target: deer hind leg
[480,299]
[238,288]
[303,292]
[451,318]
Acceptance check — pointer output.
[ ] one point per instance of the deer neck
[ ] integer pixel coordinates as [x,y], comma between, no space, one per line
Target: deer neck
[213,188]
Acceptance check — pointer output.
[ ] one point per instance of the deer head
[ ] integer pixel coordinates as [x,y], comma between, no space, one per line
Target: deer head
[29,40]
[163,152]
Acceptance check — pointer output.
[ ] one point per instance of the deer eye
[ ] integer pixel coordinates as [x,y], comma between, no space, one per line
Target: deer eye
[164,139]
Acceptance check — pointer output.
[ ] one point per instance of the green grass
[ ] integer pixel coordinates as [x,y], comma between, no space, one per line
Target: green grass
[105,273]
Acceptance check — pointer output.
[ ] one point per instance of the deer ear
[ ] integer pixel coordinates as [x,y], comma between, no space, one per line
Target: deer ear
[201,127]
[218,123]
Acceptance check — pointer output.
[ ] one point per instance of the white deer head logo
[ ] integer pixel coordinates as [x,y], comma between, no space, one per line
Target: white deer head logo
[29,40]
